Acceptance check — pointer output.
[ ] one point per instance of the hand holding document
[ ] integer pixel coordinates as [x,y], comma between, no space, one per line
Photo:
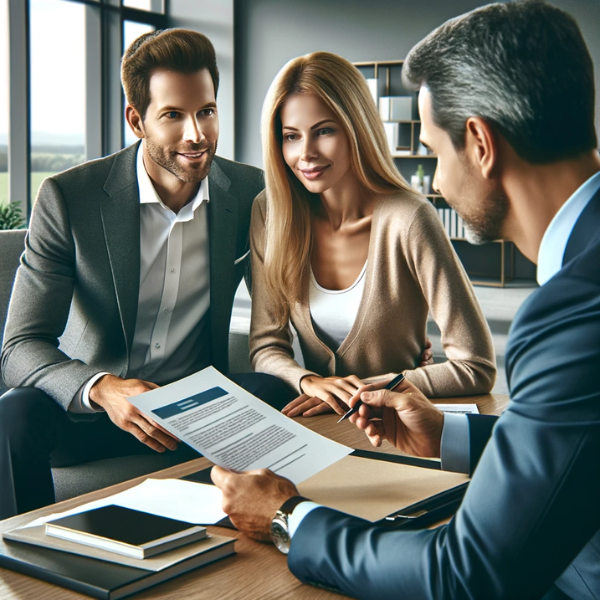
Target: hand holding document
[236,430]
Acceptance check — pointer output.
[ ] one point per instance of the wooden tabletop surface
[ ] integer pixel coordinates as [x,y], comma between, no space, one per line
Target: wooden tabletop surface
[256,572]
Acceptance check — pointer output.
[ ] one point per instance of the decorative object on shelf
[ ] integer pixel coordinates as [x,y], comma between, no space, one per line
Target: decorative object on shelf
[372,83]
[421,182]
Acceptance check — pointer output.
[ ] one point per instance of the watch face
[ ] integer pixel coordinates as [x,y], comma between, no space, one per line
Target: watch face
[280,536]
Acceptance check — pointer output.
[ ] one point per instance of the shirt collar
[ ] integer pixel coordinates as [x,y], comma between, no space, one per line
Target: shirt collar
[148,194]
[554,242]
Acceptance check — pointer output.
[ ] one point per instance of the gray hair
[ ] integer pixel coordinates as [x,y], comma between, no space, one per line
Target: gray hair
[521,66]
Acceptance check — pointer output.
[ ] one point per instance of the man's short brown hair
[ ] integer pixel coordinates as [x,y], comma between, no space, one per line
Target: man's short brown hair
[179,50]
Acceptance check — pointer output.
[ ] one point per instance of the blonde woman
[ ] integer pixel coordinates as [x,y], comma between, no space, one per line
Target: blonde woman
[346,252]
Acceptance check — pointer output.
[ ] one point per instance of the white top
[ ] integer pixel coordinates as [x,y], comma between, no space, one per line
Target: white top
[554,243]
[333,312]
[174,293]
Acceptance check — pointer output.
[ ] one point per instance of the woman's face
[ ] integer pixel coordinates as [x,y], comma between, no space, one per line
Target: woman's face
[315,146]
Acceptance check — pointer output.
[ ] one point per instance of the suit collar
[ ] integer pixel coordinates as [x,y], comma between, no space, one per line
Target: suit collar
[222,227]
[554,242]
[586,228]
[120,212]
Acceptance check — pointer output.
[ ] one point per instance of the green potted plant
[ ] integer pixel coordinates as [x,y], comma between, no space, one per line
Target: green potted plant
[11,216]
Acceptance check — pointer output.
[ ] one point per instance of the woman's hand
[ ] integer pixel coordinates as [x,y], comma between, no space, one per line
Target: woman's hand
[322,395]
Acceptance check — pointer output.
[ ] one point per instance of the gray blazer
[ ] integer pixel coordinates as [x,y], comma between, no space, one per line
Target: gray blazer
[74,304]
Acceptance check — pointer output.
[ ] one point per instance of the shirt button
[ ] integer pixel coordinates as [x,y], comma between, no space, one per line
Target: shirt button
[172,269]
[157,345]
[165,310]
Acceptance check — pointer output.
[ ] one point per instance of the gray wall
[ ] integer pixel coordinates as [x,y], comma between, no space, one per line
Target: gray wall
[268,33]
[214,18]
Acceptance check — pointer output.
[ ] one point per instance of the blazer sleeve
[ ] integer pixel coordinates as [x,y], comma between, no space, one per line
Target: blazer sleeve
[532,505]
[466,338]
[40,304]
[270,345]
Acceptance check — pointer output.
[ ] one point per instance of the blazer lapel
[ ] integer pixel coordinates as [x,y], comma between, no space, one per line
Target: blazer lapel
[222,226]
[586,228]
[121,223]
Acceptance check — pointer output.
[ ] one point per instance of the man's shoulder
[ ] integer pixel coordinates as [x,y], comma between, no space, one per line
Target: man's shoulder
[576,287]
[94,173]
[554,344]
[241,174]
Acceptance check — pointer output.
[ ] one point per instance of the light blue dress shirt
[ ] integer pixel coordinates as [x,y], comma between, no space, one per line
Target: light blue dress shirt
[455,435]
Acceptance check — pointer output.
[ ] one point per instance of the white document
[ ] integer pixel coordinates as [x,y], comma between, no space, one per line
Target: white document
[197,503]
[236,430]
[462,409]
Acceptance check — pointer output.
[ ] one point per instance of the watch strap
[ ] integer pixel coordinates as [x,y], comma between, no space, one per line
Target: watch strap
[287,508]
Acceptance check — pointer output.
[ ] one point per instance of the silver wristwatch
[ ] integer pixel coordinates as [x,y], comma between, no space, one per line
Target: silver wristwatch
[280,531]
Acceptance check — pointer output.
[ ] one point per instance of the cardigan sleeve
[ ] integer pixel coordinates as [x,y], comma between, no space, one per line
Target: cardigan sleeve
[270,345]
[466,338]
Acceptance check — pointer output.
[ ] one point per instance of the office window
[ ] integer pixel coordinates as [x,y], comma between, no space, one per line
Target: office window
[131,31]
[4,118]
[139,4]
[57,59]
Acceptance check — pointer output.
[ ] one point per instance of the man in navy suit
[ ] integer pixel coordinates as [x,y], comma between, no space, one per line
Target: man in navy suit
[507,105]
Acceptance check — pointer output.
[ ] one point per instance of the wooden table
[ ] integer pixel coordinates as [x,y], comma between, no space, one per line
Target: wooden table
[257,571]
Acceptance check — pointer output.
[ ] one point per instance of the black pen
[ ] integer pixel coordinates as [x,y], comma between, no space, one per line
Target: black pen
[390,386]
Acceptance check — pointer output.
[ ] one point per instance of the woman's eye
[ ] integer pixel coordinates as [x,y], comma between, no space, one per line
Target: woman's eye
[325,131]
[289,137]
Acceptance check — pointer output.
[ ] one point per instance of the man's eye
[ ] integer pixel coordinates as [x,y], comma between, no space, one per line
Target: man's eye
[172,114]
[207,112]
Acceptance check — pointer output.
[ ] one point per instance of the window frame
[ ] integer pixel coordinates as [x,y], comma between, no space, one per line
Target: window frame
[104,131]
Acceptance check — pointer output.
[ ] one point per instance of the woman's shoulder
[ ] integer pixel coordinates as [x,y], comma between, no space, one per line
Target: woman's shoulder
[259,207]
[403,207]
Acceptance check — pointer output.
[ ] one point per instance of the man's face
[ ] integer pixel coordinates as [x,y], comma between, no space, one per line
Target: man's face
[482,206]
[181,126]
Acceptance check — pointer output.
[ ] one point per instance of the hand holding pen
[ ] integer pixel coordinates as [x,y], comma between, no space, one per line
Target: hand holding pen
[390,386]
[406,418]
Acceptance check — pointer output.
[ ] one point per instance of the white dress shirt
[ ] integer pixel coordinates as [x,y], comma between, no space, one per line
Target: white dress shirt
[455,434]
[172,330]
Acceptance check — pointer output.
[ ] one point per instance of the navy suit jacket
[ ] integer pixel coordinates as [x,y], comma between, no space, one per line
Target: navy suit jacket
[531,515]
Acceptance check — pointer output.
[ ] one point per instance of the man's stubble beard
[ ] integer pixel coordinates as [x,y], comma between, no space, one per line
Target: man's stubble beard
[168,161]
[485,225]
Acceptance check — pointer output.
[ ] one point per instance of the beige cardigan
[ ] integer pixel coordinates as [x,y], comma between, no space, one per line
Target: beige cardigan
[412,268]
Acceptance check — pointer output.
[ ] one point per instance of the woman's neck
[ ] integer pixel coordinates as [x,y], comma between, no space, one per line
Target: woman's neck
[345,204]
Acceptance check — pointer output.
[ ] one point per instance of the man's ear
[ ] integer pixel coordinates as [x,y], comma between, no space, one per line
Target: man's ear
[135,121]
[481,145]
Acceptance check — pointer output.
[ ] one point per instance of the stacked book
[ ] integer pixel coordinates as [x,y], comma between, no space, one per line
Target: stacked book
[112,551]
[453,223]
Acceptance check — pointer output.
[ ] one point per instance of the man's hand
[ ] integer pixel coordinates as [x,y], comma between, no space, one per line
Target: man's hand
[111,393]
[408,420]
[322,395]
[251,499]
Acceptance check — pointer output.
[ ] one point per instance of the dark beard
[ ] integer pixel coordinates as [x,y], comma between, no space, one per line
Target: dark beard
[167,160]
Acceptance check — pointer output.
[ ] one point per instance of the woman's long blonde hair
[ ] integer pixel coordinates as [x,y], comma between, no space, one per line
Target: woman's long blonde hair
[288,238]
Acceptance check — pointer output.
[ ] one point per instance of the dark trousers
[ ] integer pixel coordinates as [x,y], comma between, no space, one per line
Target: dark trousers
[36,434]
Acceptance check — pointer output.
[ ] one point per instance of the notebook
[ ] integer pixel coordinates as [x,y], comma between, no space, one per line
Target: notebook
[125,531]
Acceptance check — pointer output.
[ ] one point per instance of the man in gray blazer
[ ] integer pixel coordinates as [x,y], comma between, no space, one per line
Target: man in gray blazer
[507,104]
[128,278]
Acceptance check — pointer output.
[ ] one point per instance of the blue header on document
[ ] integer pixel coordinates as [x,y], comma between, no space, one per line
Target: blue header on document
[164,412]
